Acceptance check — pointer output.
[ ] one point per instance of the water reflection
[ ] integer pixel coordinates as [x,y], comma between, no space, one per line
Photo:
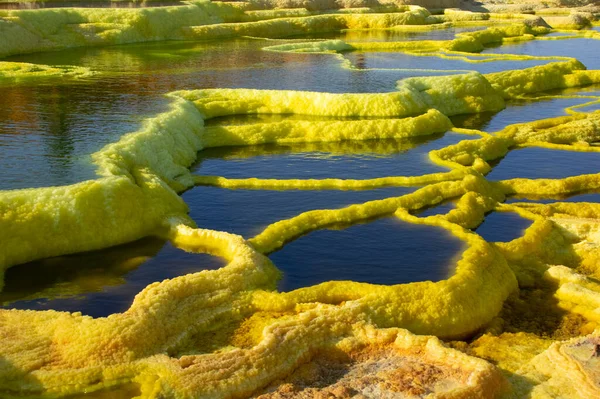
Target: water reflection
[48,130]
[98,283]
[473,121]
[344,160]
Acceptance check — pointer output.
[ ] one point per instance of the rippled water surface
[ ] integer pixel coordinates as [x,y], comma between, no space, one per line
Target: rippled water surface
[49,129]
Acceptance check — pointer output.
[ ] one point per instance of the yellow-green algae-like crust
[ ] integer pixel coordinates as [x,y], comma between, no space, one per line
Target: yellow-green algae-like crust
[451,95]
[303,131]
[166,144]
[11,72]
[324,293]
[157,321]
[282,27]
[162,145]
[222,102]
[557,75]
[25,31]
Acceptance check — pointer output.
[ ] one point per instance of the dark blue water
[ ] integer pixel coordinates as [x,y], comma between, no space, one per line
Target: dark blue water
[248,212]
[244,212]
[440,209]
[347,160]
[385,251]
[99,283]
[537,163]
[502,226]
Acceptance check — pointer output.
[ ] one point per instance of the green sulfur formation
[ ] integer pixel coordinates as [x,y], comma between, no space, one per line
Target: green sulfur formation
[16,72]
[26,31]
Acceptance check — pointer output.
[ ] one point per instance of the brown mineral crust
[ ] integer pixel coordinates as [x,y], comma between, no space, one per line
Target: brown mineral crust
[382,372]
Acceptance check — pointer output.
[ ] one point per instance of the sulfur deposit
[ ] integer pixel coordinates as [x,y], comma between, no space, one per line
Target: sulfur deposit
[228,332]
